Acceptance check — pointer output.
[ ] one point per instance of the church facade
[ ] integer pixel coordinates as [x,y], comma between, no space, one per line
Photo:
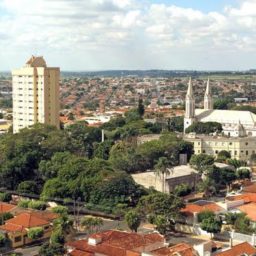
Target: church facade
[234,123]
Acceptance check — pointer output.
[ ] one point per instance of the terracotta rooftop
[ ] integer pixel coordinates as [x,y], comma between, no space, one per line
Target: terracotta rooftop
[23,221]
[181,249]
[239,250]
[197,208]
[249,210]
[116,243]
[247,197]
[80,253]
[4,207]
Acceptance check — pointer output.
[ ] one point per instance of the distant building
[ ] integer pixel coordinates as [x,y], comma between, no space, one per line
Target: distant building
[178,175]
[232,121]
[240,148]
[35,94]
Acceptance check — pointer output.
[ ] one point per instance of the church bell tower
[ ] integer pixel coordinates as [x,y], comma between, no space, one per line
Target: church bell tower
[189,106]
[208,102]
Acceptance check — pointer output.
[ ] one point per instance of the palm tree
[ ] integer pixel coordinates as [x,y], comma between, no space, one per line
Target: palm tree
[161,170]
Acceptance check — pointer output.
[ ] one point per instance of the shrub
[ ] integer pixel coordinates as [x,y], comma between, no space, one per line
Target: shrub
[35,233]
[5,216]
[60,209]
[37,205]
[205,215]
[24,203]
[182,190]
[2,240]
[57,237]
[5,197]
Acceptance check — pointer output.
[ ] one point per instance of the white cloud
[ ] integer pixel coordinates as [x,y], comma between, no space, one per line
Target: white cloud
[101,29]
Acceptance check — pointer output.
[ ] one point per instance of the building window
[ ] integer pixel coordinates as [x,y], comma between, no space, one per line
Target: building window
[230,143]
[198,142]
[17,239]
[216,152]
[204,151]
[235,152]
[246,143]
[246,152]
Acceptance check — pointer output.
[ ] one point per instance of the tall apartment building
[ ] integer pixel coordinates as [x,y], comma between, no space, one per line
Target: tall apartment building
[35,94]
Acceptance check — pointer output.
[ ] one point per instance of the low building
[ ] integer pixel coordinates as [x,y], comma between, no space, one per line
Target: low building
[191,211]
[178,175]
[240,148]
[16,229]
[115,242]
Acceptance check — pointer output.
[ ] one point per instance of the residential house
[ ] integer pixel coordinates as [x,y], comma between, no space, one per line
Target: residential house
[16,229]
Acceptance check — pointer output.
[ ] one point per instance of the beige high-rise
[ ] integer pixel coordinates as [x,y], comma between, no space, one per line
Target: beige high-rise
[35,94]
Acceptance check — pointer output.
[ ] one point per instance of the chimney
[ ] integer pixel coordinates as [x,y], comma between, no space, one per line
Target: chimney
[94,240]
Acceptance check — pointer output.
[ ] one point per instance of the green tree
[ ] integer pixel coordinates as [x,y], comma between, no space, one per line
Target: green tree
[133,220]
[64,223]
[159,204]
[175,124]
[161,223]
[243,225]
[29,187]
[92,224]
[57,237]
[141,109]
[223,155]
[182,190]
[103,149]
[211,225]
[48,249]
[161,170]
[243,173]
[236,163]
[204,128]
[225,103]
[35,233]
[201,162]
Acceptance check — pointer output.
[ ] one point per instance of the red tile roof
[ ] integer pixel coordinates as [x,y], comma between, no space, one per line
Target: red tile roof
[181,249]
[23,221]
[116,243]
[247,197]
[238,250]
[249,210]
[190,209]
[4,207]
[80,253]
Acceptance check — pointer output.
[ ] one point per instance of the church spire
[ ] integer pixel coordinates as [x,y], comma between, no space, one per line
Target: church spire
[190,101]
[190,89]
[208,103]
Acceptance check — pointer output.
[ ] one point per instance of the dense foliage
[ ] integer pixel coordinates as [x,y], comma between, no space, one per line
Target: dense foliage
[73,163]
[204,128]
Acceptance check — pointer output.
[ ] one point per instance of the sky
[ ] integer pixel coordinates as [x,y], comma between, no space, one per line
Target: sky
[83,35]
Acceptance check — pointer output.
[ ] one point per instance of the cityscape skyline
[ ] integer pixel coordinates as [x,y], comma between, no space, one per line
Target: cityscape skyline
[130,34]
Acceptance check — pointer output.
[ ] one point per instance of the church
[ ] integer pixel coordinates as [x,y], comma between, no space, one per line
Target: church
[234,123]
